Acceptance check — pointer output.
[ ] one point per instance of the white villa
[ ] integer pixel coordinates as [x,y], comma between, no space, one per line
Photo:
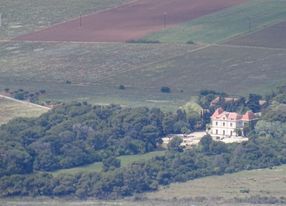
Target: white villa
[227,127]
[230,124]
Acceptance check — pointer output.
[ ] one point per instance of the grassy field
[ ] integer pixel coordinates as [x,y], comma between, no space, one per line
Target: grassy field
[250,16]
[11,109]
[262,182]
[23,16]
[235,70]
[118,203]
[49,66]
[97,167]
[214,191]
[95,71]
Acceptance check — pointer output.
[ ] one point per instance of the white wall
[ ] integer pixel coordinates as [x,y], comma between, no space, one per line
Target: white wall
[225,128]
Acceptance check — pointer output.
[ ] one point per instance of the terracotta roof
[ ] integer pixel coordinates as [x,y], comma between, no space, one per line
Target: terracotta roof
[232,116]
[217,113]
[248,116]
[215,101]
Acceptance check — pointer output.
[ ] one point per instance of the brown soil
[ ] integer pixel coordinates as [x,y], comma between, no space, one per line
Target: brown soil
[271,37]
[130,21]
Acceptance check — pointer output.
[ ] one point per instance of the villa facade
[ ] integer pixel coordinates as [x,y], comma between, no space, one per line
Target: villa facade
[230,124]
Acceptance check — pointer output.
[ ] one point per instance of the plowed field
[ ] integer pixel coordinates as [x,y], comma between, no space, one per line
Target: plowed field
[130,21]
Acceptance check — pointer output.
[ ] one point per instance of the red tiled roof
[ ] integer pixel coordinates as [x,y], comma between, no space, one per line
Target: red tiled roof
[215,101]
[217,113]
[248,116]
[232,116]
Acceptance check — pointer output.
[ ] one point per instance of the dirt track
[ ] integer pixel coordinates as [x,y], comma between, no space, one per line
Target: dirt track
[130,21]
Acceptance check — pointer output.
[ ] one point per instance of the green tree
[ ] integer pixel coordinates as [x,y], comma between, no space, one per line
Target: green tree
[110,163]
[175,145]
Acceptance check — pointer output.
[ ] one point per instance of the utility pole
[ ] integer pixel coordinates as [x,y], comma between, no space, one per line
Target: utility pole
[165,20]
[249,24]
[80,20]
[0,19]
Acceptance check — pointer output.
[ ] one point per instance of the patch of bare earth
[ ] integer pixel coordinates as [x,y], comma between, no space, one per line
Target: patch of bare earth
[271,37]
[130,21]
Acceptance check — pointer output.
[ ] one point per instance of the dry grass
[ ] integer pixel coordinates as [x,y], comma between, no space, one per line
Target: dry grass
[10,109]
[97,70]
[209,191]
[263,182]
[97,167]
[23,16]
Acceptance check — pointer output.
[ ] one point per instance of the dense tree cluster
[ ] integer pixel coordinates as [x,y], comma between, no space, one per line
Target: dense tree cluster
[25,95]
[79,134]
[208,158]
[237,104]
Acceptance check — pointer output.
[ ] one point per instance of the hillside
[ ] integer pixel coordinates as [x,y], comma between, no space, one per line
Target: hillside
[10,109]
[133,74]
[94,72]
[80,150]
[216,27]
[129,21]
[216,190]
[23,16]
[124,74]
[266,183]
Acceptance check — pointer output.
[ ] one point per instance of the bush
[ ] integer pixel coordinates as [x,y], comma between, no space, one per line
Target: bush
[143,41]
[190,42]
[165,89]
[244,191]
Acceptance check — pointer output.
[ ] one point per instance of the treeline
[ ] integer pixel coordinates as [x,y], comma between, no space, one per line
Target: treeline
[208,158]
[233,103]
[21,94]
[79,134]
[253,102]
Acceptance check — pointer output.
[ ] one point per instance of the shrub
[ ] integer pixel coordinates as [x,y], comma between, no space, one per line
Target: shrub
[244,191]
[165,89]
[190,42]
[143,41]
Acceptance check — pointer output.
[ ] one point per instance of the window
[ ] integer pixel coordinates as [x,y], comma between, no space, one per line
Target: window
[230,133]
[216,123]
[231,124]
[223,132]
[223,123]
[216,131]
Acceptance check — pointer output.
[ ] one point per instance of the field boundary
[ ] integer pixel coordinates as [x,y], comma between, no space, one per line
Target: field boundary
[131,20]
[226,24]
[249,47]
[24,102]
[245,34]
[71,19]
